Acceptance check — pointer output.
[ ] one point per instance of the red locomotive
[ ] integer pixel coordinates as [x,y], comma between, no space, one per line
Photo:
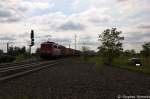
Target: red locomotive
[51,49]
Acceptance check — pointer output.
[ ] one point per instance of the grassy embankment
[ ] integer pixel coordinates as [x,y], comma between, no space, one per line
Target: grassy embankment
[18,58]
[22,57]
[122,62]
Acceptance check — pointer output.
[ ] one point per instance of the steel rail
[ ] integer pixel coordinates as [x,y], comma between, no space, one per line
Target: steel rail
[29,71]
[20,66]
[4,65]
[24,66]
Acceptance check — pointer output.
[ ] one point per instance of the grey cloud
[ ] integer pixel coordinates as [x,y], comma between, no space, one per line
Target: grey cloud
[144,26]
[90,43]
[88,40]
[136,37]
[23,9]
[122,0]
[10,13]
[71,26]
[99,21]
[4,13]
[135,40]
[9,20]
[7,16]
[25,34]
[15,19]
[63,40]
[7,38]
[87,37]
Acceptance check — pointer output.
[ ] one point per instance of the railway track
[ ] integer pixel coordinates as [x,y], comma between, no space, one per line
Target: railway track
[17,63]
[7,73]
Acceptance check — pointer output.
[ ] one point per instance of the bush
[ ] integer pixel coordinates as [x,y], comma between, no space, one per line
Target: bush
[23,57]
[6,58]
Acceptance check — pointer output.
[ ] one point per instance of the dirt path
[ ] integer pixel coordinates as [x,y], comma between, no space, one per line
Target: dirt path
[76,80]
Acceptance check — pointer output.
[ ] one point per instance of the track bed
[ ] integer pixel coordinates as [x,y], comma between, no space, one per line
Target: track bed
[74,79]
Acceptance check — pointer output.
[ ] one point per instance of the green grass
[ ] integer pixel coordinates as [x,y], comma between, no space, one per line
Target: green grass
[98,61]
[121,62]
[22,57]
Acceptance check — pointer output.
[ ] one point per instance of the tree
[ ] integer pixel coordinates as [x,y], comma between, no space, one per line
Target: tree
[129,52]
[38,51]
[146,50]
[111,44]
[85,48]
[16,50]
[1,52]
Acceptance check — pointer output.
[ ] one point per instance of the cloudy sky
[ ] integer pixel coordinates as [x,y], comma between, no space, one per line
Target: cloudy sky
[62,19]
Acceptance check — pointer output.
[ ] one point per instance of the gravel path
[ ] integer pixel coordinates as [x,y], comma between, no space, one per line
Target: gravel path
[76,80]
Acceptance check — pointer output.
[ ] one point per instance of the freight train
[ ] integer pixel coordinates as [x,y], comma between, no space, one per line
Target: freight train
[51,50]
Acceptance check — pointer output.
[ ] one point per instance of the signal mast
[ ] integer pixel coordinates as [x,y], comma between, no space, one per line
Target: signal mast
[32,40]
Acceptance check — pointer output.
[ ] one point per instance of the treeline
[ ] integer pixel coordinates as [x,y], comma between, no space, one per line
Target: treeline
[146,50]
[13,53]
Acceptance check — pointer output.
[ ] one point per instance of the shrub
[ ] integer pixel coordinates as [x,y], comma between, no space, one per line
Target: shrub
[22,57]
[6,58]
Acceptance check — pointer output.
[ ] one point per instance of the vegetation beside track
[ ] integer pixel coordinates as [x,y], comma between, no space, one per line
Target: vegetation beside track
[98,61]
[17,58]
[22,57]
[121,62]
[16,54]
[6,58]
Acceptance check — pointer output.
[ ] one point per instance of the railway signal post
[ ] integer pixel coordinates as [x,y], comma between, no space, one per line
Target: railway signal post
[32,40]
[7,47]
[75,41]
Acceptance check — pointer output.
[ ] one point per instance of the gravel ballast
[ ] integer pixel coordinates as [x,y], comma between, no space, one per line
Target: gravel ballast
[74,79]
